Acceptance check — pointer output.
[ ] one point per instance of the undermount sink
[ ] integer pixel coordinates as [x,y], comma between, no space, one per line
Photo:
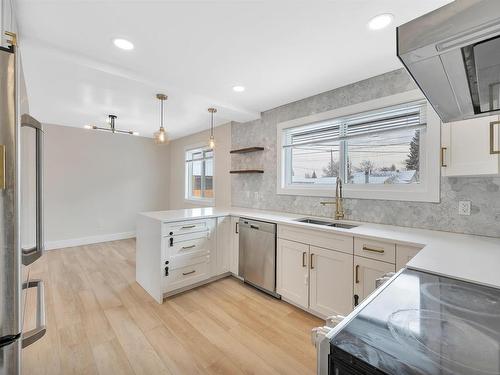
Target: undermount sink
[325,223]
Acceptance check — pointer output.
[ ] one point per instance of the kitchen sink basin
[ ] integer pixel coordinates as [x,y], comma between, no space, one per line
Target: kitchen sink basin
[325,223]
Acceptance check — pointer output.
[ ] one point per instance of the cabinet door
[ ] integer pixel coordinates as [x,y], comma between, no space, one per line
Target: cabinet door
[293,272]
[366,271]
[404,254]
[466,148]
[330,289]
[235,245]
[224,244]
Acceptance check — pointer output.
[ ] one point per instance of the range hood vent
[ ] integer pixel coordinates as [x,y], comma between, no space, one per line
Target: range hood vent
[453,54]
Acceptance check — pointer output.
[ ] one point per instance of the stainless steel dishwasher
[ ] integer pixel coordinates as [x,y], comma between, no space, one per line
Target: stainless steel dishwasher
[257,257]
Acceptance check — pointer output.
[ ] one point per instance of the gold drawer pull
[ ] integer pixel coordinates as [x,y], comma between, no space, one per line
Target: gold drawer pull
[492,138]
[188,226]
[188,273]
[188,247]
[443,155]
[379,251]
[357,274]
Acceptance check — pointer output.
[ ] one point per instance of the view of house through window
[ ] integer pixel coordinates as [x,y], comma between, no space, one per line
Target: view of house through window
[379,147]
[199,174]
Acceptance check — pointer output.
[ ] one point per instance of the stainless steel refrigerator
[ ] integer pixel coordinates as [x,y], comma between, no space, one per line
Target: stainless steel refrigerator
[13,258]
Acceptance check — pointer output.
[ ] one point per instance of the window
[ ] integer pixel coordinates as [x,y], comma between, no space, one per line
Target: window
[383,150]
[200,174]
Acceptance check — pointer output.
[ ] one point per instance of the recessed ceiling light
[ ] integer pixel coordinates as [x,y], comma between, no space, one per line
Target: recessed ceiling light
[380,21]
[123,44]
[238,88]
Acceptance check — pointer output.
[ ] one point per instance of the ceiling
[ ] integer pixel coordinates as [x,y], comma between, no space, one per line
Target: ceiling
[195,52]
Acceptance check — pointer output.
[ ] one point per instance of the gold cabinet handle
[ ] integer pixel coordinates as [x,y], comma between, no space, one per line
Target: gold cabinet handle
[188,273]
[188,226]
[188,247]
[312,255]
[378,251]
[492,138]
[443,155]
[357,273]
[304,254]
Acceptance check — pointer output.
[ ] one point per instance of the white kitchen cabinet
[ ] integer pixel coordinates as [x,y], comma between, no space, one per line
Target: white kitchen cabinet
[366,272]
[467,147]
[224,244]
[404,254]
[6,21]
[174,256]
[235,244]
[330,289]
[292,272]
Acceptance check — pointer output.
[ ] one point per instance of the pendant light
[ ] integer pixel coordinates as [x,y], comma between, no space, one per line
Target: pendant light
[112,128]
[161,137]
[211,141]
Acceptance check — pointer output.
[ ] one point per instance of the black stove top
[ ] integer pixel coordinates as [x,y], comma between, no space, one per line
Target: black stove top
[424,324]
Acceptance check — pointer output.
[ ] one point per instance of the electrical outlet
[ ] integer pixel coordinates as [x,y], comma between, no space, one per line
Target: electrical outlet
[464,208]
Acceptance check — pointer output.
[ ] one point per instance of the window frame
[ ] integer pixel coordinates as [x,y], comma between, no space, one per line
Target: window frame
[187,177]
[428,190]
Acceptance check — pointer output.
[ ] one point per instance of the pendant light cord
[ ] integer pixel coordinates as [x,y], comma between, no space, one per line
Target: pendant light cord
[161,113]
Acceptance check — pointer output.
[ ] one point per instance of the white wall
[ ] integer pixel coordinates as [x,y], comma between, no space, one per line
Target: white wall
[222,161]
[97,182]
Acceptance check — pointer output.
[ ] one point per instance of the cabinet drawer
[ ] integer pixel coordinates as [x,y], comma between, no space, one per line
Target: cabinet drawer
[332,241]
[183,227]
[188,243]
[379,250]
[197,271]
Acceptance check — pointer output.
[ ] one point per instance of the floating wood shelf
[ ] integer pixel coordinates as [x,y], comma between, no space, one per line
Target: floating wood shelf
[245,150]
[248,171]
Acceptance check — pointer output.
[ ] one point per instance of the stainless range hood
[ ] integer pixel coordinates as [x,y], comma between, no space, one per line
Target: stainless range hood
[453,54]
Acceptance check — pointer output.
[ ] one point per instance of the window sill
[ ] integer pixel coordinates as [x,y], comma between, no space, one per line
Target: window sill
[200,201]
[377,192]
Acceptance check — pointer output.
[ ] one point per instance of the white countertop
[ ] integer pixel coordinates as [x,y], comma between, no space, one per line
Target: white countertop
[466,257]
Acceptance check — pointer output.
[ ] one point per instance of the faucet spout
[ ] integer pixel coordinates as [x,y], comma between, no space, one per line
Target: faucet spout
[339,204]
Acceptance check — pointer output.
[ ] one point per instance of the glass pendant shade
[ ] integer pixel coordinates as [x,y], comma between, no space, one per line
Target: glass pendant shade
[161,137]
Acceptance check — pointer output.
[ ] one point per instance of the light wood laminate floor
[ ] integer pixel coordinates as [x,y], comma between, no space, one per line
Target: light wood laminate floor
[100,321]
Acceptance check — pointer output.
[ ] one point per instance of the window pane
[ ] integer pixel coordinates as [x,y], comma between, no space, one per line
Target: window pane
[209,178]
[384,158]
[196,179]
[315,164]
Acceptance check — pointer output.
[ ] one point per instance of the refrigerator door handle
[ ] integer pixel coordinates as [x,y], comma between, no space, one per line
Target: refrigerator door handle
[37,333]
[32,254]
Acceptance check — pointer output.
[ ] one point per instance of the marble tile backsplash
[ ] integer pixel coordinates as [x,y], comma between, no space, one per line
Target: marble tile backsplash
[259,190]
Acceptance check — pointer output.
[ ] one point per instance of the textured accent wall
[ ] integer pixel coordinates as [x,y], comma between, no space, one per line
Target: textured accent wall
[259,191]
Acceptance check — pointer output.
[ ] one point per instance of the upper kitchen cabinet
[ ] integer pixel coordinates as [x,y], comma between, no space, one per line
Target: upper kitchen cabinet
[471,147]
[6,21]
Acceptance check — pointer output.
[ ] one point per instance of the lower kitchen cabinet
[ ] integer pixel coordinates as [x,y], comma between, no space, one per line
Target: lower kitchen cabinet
[292,272]
[235,244]
[404,254]
[224,244]
[316,279]
[330,287]
[366,272]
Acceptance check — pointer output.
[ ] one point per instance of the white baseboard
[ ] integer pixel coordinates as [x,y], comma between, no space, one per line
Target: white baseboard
[52,245]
